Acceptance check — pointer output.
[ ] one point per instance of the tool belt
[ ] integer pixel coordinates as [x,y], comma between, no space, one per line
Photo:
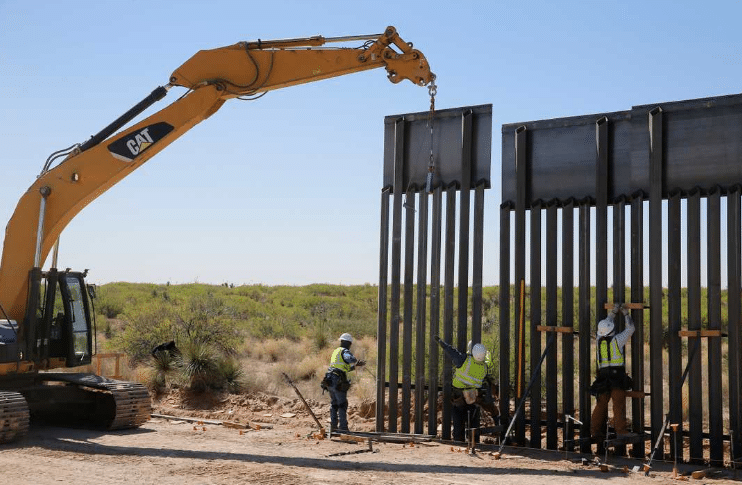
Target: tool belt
[463,397]
[611,378]
[332,377]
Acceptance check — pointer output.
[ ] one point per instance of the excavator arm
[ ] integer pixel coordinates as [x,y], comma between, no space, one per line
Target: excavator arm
[242,70]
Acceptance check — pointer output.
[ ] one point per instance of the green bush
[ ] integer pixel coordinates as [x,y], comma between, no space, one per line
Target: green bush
[200,366]
[231,374]
[201,319]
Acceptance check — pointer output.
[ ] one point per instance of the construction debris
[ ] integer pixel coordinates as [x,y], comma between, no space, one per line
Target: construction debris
[201,422]
[401,438]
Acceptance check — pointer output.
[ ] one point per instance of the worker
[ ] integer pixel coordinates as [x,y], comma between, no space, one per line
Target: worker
[612,381]
[469,376]
[490,390]
[337,383]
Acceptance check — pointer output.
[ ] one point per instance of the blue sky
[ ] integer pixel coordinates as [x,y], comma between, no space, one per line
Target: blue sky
[285,190]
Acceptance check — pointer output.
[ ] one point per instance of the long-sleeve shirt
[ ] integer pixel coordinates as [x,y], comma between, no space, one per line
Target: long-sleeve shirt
[458,358]
[624,336]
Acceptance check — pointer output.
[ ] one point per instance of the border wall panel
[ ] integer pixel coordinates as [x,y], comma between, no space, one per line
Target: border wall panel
[650,158]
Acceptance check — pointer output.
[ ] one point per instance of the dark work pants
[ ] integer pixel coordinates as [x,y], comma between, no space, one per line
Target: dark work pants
[463,415]
[338,406]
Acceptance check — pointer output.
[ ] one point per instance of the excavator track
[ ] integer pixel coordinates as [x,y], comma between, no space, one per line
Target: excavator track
[118,404]
[133,404]
[14,416]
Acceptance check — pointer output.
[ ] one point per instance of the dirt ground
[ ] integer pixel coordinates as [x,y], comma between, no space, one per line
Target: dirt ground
[285,450]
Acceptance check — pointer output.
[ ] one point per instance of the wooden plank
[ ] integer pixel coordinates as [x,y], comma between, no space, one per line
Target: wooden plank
[700,333]
[630,306]
[550,328]
[636,394]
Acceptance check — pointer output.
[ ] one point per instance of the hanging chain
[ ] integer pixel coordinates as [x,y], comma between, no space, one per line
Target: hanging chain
[432,91]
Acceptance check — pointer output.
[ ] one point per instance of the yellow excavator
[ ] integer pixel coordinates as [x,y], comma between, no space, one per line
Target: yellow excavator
[45,315]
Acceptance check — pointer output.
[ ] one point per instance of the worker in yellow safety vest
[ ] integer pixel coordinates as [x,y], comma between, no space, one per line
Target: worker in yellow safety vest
[612,381]
[489,393]
[470,372]
[337,383]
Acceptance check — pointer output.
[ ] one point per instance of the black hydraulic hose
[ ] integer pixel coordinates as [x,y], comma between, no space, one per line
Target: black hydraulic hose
[153,97]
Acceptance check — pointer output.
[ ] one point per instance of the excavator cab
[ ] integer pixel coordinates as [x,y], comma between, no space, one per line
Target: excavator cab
[59,330]
[76,328]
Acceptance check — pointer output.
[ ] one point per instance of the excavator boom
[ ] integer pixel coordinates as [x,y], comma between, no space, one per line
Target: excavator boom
[45,316]
[212,77]
[248,68]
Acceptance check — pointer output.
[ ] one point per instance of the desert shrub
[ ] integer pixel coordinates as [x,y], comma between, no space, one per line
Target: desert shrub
[110,309]
[164,365]
[231,374]
[310,366]
[319,335]
[208,320]
[146,326]
[270,350]
[200,366]
[201,319]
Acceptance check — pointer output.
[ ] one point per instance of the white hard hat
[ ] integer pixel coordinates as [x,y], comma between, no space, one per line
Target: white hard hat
[605,327]
[479,352]
[346,337]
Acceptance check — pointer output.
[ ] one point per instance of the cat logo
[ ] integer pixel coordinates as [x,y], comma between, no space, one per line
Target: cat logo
[135,143]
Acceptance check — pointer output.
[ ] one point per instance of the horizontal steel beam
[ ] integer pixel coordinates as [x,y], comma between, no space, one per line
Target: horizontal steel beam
[701,149]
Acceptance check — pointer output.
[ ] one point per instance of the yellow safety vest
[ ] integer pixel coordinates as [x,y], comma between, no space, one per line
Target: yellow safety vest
[609,353]
[337,362]
[470,375]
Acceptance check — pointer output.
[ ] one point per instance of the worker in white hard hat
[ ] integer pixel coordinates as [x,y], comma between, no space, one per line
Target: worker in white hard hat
[489,393]
[470,372]
[612,381]
[336,381]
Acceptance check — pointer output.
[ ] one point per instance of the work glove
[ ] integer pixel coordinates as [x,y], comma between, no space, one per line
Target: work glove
[437,339]
[624,310]
[360,363]
[615,310]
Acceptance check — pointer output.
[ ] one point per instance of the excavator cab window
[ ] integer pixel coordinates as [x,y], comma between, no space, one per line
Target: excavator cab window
[77,316]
